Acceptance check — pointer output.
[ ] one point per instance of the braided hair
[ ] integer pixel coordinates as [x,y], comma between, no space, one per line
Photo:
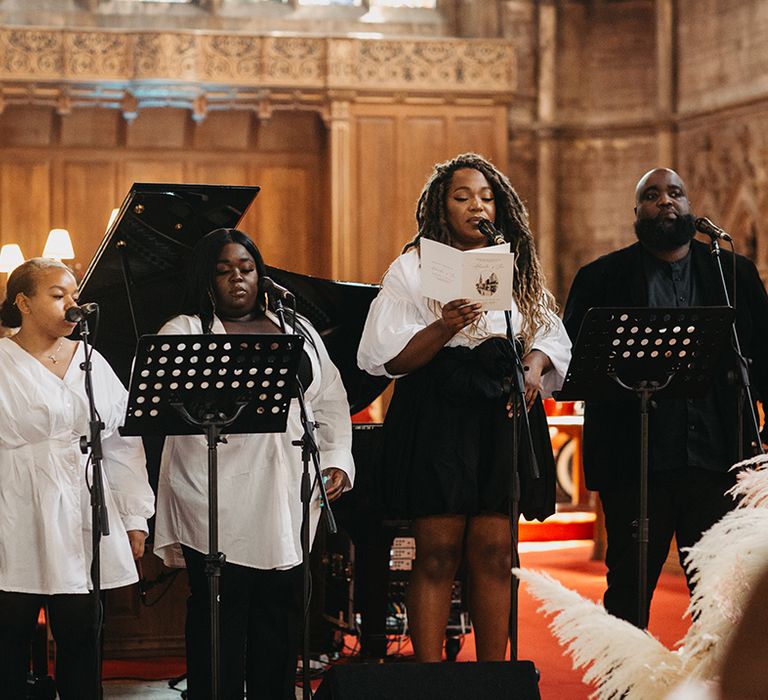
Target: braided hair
[536,303]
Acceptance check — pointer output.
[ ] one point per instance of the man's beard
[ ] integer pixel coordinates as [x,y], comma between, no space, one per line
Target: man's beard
[666,234]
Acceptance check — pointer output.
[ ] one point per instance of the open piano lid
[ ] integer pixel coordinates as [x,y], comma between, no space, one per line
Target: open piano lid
[137,278]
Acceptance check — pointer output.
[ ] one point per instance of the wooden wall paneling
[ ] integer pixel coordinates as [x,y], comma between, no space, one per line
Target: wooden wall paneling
[422,142]
[321,181]
[340,175]
[152,625]
[91,128]
[26,125]
[289,131]
[159,128]
[375,188]
[25,217]
[482,134]
[148,169]
[84,196]
[206,171]
[283,219]
[395,147]
[228,131]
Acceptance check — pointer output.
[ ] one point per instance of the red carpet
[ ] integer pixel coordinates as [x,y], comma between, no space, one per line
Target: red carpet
[568,562]
[150,669]
[573,568]
[570,525]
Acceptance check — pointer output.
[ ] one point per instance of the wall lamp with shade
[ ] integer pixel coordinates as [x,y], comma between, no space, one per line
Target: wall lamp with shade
[10,257]
[59,245]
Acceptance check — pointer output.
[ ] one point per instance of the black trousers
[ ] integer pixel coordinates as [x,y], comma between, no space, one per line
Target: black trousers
[72,623]
[260,614]
[681,502]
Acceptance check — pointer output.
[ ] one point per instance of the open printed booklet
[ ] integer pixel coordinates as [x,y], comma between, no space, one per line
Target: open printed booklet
[483,275]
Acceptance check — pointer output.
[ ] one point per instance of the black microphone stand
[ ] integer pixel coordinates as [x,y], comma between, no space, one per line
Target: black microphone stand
[519,409]
[745,392]
[517,401]
[99,515]
[309,451]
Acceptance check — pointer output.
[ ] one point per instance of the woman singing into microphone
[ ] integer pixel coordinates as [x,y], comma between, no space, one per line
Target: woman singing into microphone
[45,514]
[260,509]
[448,431]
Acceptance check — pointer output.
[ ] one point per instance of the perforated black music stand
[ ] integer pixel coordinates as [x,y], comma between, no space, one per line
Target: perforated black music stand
[187,384]
[647,351]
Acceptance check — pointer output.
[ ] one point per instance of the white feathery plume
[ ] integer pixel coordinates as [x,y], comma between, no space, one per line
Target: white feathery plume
[751,484]
[626,662]
[604,643]
[756,461]
[725,564]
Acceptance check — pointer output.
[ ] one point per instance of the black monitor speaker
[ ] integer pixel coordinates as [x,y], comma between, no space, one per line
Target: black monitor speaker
[488,680]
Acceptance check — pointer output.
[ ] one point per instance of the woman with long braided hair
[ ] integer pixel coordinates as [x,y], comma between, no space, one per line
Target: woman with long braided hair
[449,436]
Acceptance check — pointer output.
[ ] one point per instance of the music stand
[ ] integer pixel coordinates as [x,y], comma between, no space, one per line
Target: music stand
[647,351]
[187,384]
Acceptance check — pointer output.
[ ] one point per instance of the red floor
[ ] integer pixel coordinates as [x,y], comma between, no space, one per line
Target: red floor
[571,564]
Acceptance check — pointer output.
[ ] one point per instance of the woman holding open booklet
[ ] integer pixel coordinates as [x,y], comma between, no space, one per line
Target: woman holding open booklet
[448,435]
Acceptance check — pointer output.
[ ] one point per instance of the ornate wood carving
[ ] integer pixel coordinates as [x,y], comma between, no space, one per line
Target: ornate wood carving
[724,159]
[72,68]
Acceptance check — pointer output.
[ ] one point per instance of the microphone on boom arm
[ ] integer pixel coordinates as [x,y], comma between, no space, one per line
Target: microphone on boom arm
[75,314]
[705,226]
[490,232]
[270,286]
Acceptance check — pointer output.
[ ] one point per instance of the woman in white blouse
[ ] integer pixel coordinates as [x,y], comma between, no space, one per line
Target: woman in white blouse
[259,479]
[448,434]
[45,515]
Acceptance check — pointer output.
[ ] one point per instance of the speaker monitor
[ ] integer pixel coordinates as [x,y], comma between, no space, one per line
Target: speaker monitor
[487,680]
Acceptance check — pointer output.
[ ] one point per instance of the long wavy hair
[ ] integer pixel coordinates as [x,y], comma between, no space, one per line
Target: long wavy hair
[536,303]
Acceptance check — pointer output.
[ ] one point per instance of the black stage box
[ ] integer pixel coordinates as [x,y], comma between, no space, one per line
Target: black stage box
[486,680]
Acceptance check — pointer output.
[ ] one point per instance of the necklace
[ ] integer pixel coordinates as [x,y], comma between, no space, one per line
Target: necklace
[52,356]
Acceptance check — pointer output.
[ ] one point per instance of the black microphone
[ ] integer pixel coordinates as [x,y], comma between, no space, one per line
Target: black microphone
[705,226]
[75,314]
[490,232]
[271,286]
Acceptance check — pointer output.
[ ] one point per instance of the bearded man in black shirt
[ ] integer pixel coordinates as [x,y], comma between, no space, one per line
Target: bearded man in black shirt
[692,442]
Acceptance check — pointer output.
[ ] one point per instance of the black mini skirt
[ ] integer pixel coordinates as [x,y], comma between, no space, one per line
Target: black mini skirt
[449,446]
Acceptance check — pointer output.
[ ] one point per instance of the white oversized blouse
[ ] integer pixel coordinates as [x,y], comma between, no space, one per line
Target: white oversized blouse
[400,311]
[45,514]
[259,475]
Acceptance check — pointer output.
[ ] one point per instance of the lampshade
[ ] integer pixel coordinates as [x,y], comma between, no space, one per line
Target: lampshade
[10,257]
[59,245]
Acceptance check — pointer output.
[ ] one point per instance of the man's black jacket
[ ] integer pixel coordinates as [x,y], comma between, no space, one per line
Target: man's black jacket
[611,429]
